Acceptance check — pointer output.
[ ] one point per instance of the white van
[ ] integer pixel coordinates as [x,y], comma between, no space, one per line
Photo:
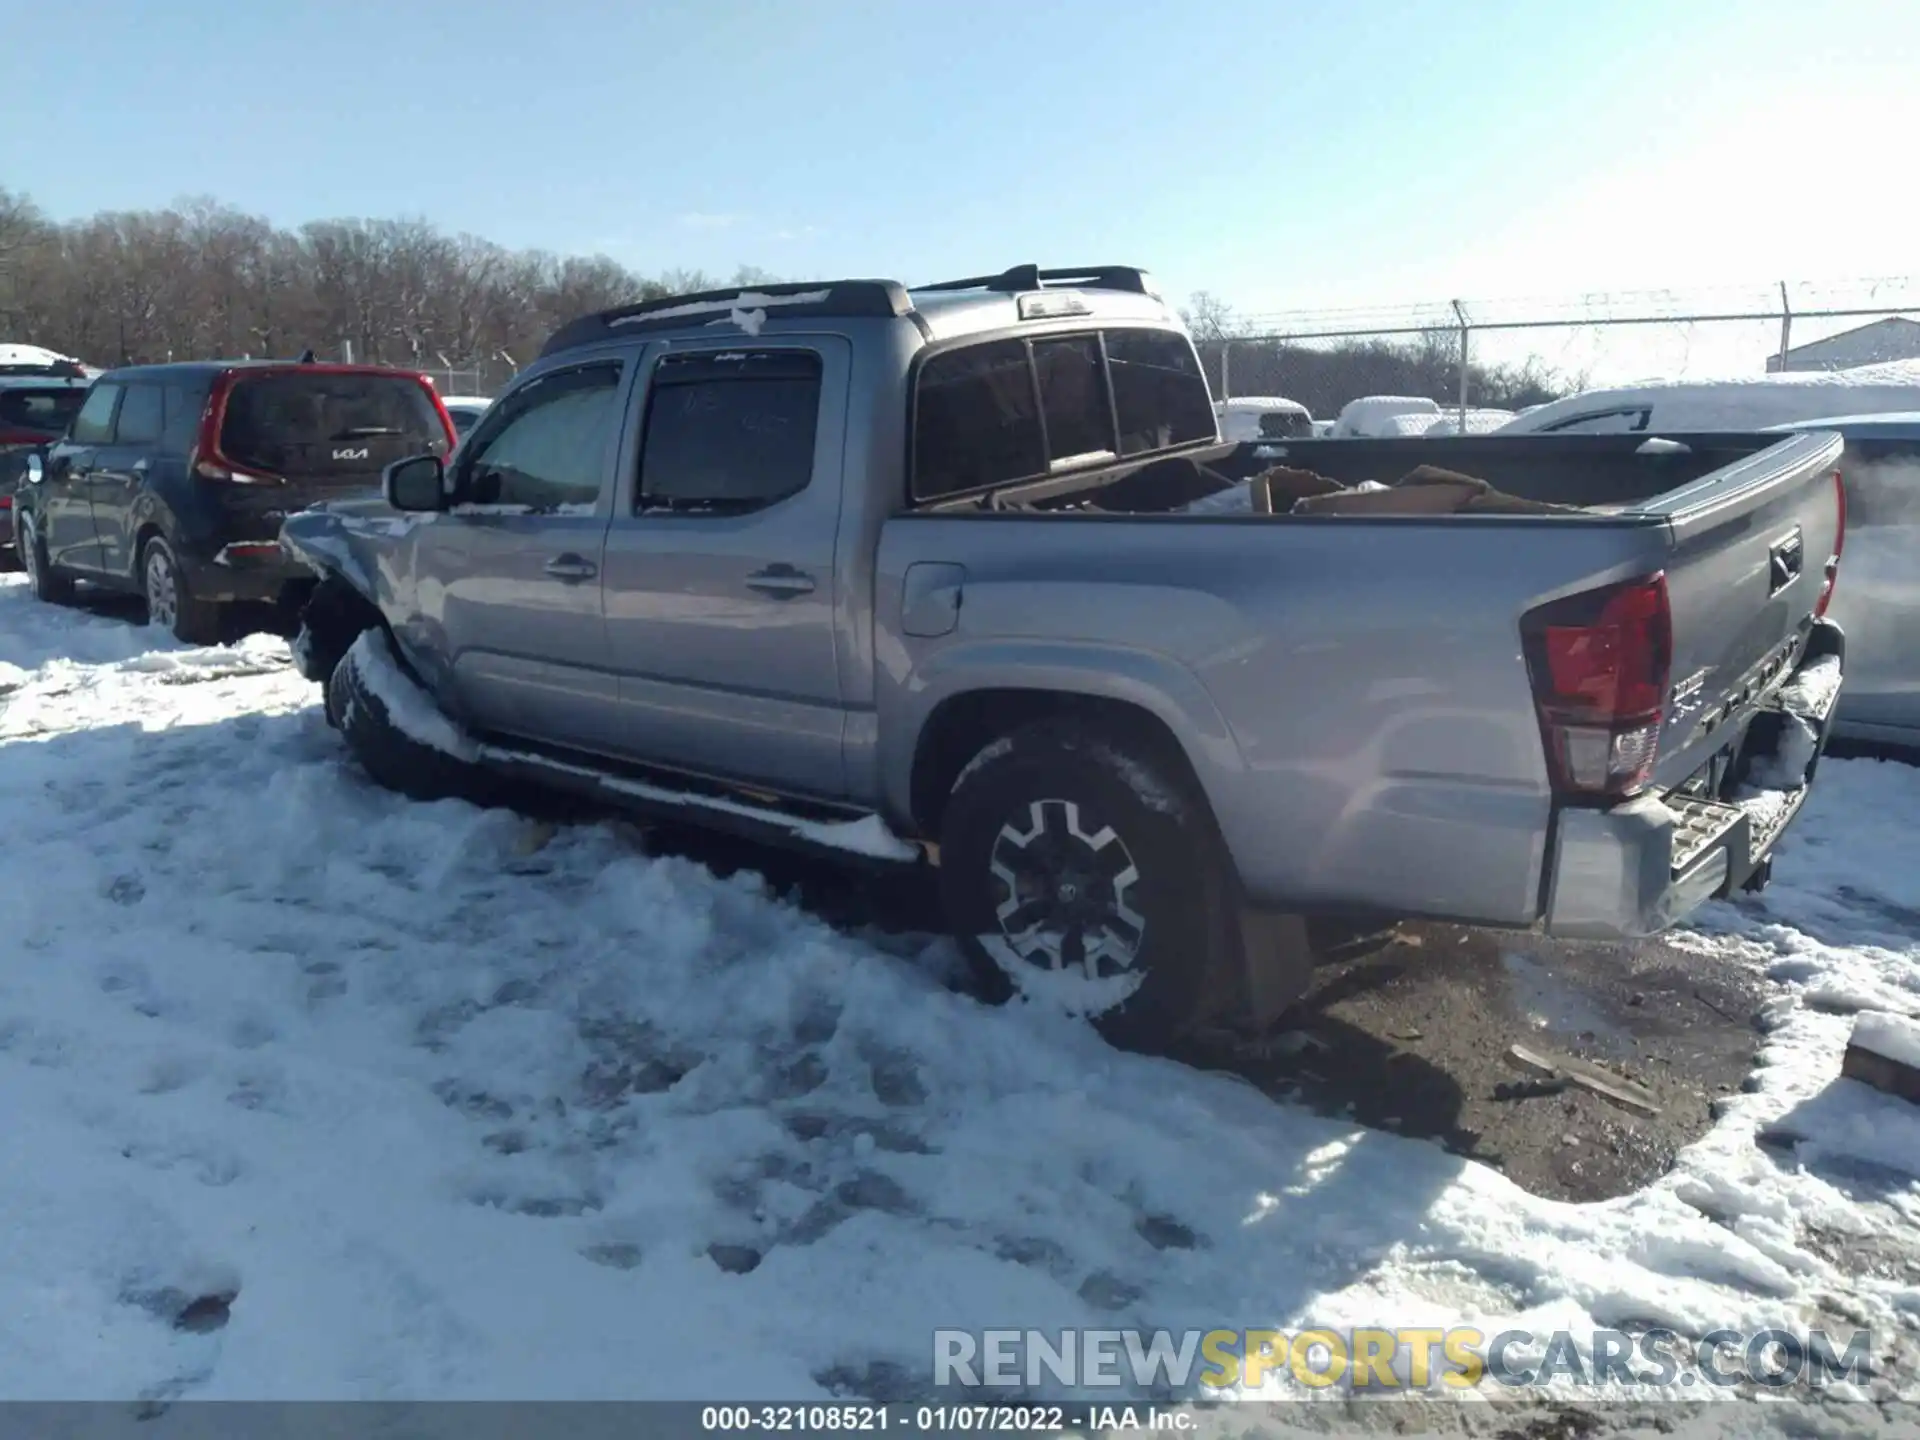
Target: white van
[1263,417]
[1384,416]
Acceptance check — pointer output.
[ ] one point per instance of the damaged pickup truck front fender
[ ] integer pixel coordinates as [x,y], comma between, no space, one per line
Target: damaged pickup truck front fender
[359,554]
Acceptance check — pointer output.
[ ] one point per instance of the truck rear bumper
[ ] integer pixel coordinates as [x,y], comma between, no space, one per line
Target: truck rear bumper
[1643,866]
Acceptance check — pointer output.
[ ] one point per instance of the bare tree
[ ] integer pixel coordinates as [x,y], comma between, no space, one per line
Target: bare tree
[203,280]
[1210,319]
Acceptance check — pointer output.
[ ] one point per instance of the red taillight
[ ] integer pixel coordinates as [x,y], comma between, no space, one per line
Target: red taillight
[447,426]
[1832,575]
[209,463]
[1600,663]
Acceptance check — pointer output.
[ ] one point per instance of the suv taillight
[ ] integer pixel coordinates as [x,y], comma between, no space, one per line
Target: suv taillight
[209,463]
[1600,663]
[1832,574]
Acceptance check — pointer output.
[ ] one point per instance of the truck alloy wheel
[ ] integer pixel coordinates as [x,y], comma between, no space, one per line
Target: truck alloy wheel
[1079,873]
[1064,892]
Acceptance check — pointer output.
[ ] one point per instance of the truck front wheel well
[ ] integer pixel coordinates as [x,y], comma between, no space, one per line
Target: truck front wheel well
[334,616]
[960,728]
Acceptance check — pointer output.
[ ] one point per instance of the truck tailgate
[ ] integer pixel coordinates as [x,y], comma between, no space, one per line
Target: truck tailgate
[1755,551]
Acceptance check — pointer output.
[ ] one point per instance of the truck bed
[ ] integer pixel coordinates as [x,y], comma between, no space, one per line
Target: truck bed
[1361,688]
[1604,474]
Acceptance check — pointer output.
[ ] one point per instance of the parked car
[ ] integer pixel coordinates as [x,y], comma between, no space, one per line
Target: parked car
[34,411]
[1752,403]
[1381,417]
[1879,605]
[1478,422]
[172,480]
[899,574]
[465,409]
[1263,417]
[37,360]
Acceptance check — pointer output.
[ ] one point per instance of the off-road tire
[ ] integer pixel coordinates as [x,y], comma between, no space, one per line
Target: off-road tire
[170,599]
[1181,887]
[393,759]
[48,583]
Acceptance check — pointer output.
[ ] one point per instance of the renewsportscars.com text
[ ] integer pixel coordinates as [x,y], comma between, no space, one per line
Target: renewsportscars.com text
[1362,1360]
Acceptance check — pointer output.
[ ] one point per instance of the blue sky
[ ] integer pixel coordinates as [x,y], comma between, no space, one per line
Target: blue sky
[1281,155]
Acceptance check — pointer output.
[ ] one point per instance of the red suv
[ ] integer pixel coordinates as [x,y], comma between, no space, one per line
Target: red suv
[34,411]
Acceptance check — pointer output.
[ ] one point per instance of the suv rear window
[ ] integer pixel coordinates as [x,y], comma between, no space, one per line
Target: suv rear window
[1008,410]
[47,410]
[328,423]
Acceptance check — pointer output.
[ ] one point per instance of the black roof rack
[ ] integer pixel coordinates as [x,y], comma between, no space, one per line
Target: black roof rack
[794,300]
[1032,277]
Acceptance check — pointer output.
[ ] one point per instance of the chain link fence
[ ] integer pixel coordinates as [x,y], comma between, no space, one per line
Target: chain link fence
[1508,354]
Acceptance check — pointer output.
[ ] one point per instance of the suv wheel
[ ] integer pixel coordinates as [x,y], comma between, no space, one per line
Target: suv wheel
[1078,871]
[356,704]
[47,582]
[170,604]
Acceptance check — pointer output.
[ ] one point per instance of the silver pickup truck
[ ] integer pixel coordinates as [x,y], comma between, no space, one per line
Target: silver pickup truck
[961,575]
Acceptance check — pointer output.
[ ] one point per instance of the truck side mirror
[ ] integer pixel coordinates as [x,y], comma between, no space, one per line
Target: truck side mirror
[416,483]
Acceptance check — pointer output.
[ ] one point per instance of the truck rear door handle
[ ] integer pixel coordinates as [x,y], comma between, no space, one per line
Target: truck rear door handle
[781,580]
[571,567]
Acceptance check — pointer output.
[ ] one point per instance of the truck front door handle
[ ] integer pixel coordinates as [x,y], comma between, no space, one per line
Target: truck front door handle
[571,567]
[782,581]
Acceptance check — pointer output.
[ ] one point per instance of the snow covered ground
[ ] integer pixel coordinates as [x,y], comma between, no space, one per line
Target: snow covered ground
[425,1102]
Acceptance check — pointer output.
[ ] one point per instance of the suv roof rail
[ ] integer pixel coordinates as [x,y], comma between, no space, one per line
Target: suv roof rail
[796,300]
[1032,277]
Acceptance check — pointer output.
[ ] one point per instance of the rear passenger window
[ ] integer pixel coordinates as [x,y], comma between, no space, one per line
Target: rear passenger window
[1073,398]
[548,444]
[183,405]
[977,420]
[729,433]
[1159,392]
[94,424]
[142,416]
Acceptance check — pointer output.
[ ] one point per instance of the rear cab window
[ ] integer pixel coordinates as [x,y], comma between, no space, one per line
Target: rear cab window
[320,422]
[1002,411]
[48,411]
